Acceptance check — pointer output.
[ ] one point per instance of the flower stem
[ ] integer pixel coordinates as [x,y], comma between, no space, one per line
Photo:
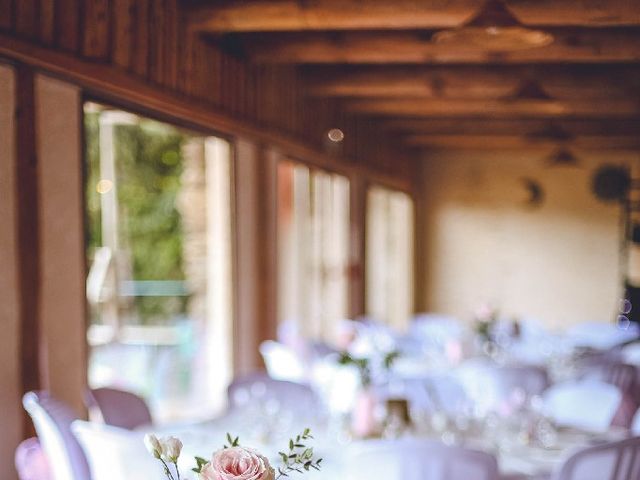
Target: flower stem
[167,471]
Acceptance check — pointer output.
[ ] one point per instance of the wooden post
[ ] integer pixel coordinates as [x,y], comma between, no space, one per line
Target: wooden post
[28,233]
[13,416]
[357,243]
[419,243]
[255,252]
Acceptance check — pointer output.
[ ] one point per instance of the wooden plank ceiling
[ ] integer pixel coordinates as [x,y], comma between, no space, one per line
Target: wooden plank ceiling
[380,60]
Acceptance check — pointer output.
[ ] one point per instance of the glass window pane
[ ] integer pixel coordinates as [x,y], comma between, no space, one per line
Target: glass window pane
[313,245]
[389,256]
[158,205]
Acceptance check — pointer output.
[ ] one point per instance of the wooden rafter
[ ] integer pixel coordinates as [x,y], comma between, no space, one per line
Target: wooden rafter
[482,142]
[510,127]
[472,81]
[597,45]
[421,107]
[287,15]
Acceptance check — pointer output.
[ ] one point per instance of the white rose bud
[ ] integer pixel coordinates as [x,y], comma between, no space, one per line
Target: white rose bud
[153,445]
[171,448]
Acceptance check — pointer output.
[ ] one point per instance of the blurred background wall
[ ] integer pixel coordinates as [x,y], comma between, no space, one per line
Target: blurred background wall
[490,241]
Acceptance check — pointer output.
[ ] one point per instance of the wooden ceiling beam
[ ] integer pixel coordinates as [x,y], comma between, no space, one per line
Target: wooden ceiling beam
[295,15]
[494,142]
[421,107]
[471,81]
[509,127]
[598,45]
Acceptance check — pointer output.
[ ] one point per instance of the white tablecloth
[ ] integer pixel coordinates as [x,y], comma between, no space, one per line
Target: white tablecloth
[516,460]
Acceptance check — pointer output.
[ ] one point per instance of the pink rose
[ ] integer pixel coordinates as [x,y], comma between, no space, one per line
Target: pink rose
[237,463]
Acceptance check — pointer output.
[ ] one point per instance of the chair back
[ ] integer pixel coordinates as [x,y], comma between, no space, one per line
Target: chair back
[119,408]
[282,362]
[433,394]
[260,387]
[52,420]
[599,335]
[501,388]
[586,404]
[621,375]
[435,329]
[530,379]
[116,453]
[415,459]
[610,461]
[631,353]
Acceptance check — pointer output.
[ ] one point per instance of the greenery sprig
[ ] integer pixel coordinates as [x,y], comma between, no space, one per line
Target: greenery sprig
[364,364]
[299,457]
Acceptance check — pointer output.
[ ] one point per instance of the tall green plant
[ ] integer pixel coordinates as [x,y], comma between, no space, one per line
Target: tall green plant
[148,170]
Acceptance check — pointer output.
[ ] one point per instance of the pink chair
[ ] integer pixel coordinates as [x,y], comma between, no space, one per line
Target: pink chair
[610,461]
[415,459]
[119,408]
[31,461]
[52,420]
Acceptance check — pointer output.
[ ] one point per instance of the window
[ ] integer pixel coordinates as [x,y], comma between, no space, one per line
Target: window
[158,206]
[389,256]
[313,246]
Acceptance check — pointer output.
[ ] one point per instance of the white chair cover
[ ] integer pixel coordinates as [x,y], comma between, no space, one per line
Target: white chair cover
[52,420]
[600,335]
[499,388]
[631,354]
[438,393]
[282,362]
[412,459]
[115,453]
[436,329]
[260,387]
[586,404]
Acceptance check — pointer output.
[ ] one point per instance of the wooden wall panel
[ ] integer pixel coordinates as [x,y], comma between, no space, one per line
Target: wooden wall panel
[171,46]
[6,14]
[46,19]
[122,32]
[156,41]
[149,39]
[97,29]
[67,28]
[140,47]
[26,18]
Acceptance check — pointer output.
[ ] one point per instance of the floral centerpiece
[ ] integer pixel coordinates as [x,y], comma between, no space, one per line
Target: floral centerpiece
[363,423]
[484,320]
[236,462]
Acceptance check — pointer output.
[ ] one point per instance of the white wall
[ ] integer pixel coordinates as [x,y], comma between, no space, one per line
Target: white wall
[10,389]
[557,263]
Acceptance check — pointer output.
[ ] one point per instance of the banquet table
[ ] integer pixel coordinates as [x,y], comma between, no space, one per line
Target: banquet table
[516,460]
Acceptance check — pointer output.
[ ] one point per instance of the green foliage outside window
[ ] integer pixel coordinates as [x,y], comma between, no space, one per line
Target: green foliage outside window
[148,171]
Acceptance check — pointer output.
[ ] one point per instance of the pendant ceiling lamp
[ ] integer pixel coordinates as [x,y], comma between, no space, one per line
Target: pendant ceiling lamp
[496,29]
[529,90]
